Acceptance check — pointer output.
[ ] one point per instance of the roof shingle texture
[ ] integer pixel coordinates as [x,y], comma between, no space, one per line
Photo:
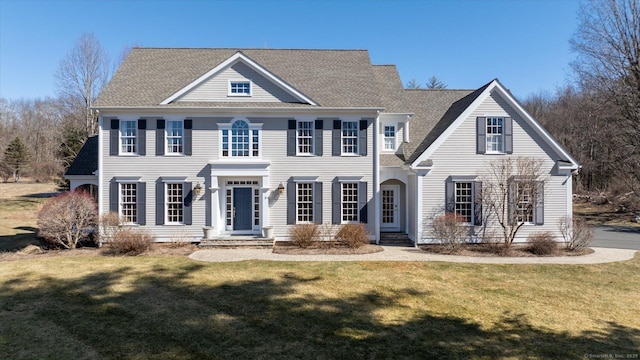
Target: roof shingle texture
[331,78]
[86,162]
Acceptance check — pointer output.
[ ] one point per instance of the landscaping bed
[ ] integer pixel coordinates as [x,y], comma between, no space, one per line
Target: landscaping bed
[498,250]
[323,248]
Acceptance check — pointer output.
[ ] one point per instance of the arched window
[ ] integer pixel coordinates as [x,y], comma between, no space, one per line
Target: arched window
[240,139]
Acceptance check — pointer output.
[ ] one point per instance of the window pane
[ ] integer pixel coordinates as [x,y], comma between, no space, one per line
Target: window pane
[174,202]
[305,202]
[305,137]
[128,132]
[464,200]
[349,202]
[128,203]
[349,137]
[494,134]
[174,137]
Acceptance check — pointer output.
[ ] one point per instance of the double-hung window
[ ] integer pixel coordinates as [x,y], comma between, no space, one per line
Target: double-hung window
[463,196]
[524,203]
[350,137]
[304,134]
[239,88]
[174,203]
[175,137]
[240,140]
[495,137]
[464,200]
[350,211]
[128,133]
[129,202]
[304,202]
[389,138]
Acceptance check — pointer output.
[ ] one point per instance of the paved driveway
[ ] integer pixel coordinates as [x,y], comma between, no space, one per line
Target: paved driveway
[620,237]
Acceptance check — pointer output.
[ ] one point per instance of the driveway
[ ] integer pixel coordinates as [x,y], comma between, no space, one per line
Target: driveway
[620,237]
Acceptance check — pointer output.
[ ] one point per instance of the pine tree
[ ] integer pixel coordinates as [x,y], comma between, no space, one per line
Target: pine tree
[16,157]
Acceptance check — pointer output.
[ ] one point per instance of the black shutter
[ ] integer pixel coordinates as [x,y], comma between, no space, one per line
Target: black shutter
[317,202]
[160,137]
[362,201]
[291,202]
[481,134]
[187,208]
[539,203]
[141,202]
[362,141]
[477,205]
[114,134]
[142,137]
[188,130]
[336,144]
[113,196]
[291,138]
[508,135]
[336,203]
[159,203]
[317,146]
[450,196]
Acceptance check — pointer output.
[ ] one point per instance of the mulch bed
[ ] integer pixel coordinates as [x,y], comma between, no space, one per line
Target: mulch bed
[323,248]
[497,250]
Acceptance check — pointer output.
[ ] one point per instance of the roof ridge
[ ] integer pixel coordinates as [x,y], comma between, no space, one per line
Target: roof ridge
[440,89]
[240,49]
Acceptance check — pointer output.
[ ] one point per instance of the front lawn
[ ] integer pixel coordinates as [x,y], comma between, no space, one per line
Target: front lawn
[163,307]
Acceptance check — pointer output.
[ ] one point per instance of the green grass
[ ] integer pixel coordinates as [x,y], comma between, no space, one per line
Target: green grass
[171,307]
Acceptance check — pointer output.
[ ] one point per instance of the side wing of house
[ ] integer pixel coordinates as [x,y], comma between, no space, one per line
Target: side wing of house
[450,172]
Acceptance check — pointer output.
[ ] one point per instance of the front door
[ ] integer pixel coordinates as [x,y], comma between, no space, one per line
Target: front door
[390,213]
[242,208]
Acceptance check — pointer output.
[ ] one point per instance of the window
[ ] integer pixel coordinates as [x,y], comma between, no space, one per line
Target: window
[349,202]
[495,134]
[239,88]
[524,202]
[464,200]
[304,202]
[174,203]
[128,202]
[305,137]
[128,132]
[389,137]
[240,140]
[174,137]
[350,137]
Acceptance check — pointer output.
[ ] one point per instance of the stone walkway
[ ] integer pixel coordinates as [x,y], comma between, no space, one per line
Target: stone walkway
[393,253]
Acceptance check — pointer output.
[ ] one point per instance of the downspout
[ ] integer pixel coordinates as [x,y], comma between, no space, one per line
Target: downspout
[376,179]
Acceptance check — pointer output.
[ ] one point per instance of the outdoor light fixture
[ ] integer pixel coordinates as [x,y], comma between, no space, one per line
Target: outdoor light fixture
[280,189]
[197,189]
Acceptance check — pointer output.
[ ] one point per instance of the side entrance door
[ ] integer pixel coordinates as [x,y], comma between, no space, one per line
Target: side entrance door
[242,208]
[390,211]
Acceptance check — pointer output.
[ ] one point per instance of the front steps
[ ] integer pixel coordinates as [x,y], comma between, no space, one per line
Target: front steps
[395,239]
[232,241]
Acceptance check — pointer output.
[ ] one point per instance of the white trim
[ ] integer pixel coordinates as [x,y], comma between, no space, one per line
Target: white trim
[239,56]
[494,85]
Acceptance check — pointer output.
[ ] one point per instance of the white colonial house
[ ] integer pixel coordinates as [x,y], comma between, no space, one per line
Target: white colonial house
[243,139]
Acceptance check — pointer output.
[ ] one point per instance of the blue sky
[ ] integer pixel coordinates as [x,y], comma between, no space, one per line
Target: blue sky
[465,43]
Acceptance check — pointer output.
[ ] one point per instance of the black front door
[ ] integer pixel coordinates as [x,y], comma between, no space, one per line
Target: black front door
[242,209]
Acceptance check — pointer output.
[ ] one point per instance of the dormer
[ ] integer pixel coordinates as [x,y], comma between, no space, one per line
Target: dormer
[394,130]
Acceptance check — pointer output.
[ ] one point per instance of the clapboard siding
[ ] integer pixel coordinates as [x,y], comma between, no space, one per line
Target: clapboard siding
[457,156]
[216,87]
[206,148]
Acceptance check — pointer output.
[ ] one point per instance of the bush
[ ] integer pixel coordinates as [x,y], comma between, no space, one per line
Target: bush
[129,241]
[353,235]
[67,219]
[450,230]
[303,235]
[542,243]
[578,236]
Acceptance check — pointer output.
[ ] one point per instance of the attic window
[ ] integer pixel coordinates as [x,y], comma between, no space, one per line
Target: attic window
[239,88]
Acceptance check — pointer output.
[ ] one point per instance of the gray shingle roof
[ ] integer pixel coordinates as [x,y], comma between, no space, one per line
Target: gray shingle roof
[332,78]
[86,162]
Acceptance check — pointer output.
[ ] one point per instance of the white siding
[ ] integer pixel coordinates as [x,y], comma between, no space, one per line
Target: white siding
[457,156]
[206,148]
[216,87]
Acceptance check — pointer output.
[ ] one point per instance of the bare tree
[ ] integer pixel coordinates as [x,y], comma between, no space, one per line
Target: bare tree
[435,83]
[512,192]
[80,77]
[412,84]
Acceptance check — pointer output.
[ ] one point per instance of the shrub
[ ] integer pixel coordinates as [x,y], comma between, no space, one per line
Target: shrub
[450,230]
[303,235]
[129,241]
[109,224]
[353,235]
[67,219]
[542,243]
[577,234]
